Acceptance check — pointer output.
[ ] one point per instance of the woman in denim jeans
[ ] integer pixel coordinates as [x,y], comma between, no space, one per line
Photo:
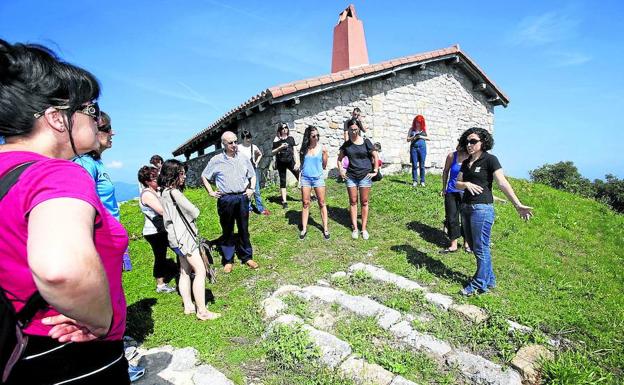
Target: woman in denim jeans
[417,137]
[475,178]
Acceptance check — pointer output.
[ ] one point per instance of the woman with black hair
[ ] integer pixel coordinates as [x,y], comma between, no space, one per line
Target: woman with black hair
[313,157]
[284,152]
[179,218]
[57,239]
[154,227]
[475,178]
[363,166]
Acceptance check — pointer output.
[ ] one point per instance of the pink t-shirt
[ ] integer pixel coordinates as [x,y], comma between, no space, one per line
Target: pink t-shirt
[48,179]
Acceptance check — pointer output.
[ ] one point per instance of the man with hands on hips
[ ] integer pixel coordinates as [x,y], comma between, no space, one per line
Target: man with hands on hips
[234,177]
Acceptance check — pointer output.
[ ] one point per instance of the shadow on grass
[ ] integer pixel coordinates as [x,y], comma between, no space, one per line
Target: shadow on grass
[340,215]
[139,320]
[294,219]
[278,199]
[399,181]
[429,234]
[434,266]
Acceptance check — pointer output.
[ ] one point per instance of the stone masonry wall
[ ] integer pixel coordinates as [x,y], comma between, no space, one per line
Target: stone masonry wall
[441,92]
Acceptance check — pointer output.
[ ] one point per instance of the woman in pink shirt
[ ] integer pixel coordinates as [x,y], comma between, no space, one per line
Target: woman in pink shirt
[56,237]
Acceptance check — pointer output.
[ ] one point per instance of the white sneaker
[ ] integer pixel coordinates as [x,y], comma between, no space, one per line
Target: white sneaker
[422,184]
[354,234]
[164,288]
[365,235]
[414,184]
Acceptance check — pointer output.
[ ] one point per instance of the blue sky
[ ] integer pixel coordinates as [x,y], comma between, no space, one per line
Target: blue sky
[170,68]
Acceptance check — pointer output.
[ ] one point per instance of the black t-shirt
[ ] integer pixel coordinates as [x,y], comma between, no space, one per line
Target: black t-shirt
[482,174]
[286,155]
[360,156]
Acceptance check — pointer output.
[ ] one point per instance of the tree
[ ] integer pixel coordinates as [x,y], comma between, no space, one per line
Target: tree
[611,192]
[563,176]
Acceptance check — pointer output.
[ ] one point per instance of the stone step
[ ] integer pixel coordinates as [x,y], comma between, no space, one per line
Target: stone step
[475,369]
[337,354]
[167,365]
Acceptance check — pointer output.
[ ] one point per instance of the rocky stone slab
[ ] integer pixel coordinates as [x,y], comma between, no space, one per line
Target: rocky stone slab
[398,380]
[208,375]
[333,350]
[364,373]
[481,371]
[470,312]
[514,326]
[383,275]
[527,359]
[284,290]
[429,343]
[272,307]
[440,300]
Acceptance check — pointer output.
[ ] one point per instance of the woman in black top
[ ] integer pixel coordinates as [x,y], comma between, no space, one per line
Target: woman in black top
[475,178]
[363,165]
[284,152]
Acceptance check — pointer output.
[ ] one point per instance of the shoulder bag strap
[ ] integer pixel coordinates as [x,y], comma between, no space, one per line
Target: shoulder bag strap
[36,301]
[186,222]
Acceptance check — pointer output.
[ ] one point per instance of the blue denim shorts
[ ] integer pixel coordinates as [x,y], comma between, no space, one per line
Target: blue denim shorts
[312,182]
[364,182]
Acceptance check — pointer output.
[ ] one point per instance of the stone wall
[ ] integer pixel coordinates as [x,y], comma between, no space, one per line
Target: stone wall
[195,166]
[442,93]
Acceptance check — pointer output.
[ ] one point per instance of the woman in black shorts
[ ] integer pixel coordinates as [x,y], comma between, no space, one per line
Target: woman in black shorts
[284,152]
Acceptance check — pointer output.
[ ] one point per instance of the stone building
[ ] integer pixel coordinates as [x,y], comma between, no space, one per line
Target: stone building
[445,86]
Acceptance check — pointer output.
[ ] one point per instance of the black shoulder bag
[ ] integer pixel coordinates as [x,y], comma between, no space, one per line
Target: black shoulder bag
[13,341]
[205,246]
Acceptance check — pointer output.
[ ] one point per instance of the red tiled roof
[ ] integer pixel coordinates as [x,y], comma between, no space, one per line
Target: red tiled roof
[284,90]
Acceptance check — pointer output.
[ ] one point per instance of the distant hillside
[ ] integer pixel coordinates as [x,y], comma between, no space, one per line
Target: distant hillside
[126,191]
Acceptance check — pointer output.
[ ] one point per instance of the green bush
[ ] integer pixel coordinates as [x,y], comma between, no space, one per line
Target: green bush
[563,176]
[289,347]
[611,192]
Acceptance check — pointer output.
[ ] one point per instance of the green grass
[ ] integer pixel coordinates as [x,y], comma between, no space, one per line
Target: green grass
[561,272]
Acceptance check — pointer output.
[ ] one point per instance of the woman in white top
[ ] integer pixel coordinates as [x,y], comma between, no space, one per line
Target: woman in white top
[182,239]
[253,153]
[154,227]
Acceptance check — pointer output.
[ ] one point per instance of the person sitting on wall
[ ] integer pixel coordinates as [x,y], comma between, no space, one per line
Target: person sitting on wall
[355,114]
[234,177]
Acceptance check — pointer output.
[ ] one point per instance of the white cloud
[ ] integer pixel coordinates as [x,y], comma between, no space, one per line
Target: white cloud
[550,27]
[115,164]
[567,59]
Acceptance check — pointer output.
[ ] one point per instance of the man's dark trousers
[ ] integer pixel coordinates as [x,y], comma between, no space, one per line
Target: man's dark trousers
[234,208]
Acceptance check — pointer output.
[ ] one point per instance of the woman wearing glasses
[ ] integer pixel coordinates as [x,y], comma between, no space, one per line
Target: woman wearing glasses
[475,178]
[363,166]
[56,237]
[313,157]
[284,152]
[179,218]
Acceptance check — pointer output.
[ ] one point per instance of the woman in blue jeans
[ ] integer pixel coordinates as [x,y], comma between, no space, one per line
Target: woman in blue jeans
[417,136]
[475,178]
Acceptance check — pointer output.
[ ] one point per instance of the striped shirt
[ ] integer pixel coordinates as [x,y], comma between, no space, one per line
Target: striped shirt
[231,175]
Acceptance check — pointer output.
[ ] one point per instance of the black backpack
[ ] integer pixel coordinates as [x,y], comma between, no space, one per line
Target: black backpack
[12,339]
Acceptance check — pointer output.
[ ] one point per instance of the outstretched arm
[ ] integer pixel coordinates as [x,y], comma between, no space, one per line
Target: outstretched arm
[525,212]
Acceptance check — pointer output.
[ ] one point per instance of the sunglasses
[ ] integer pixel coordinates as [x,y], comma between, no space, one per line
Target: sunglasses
[105,128]
[232,142]
[314,136]
[91,109]
[473,141]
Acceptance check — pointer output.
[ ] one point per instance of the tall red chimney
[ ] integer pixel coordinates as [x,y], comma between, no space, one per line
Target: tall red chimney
[349,42]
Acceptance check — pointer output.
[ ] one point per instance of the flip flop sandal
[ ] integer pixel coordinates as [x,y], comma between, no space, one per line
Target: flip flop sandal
[448,251]
[135,372]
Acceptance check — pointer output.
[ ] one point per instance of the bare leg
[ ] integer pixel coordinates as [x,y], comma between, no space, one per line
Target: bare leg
[199,286]
[364,191]
[353,199]
[184,285]
[453,245]
[305,210]
[320,194]
[283,192]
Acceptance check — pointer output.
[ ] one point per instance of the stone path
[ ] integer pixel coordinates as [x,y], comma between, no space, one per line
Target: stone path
[337,354]
[167,365]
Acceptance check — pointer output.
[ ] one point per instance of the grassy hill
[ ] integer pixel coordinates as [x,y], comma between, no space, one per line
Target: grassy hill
[561,273]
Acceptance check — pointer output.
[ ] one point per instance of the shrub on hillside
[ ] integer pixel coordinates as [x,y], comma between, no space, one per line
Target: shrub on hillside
[611,192]
[563,176]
